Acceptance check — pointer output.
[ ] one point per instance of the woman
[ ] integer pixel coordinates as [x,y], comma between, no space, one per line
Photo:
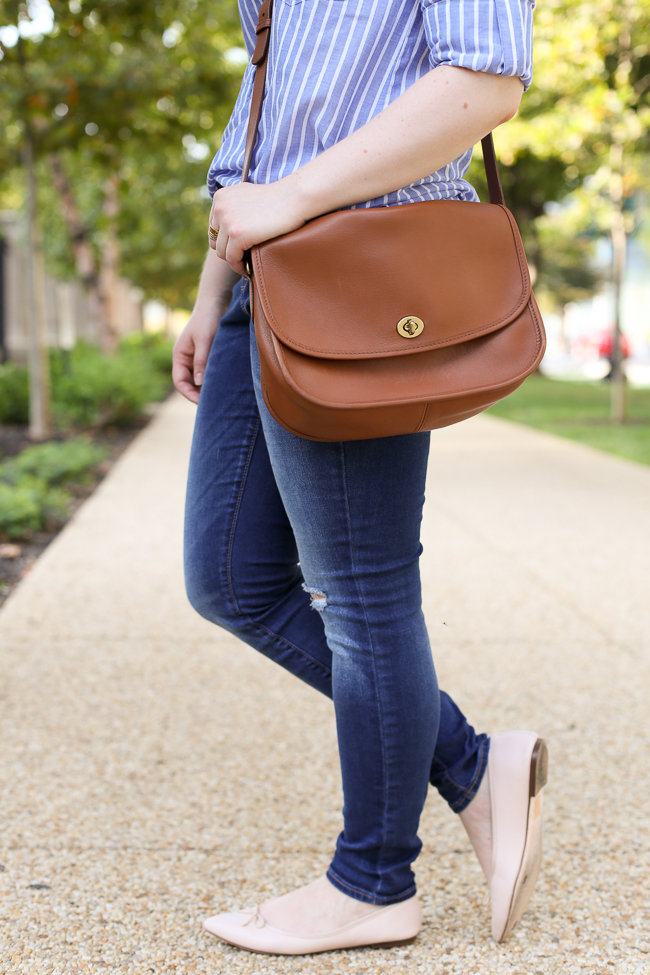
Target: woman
[309,551]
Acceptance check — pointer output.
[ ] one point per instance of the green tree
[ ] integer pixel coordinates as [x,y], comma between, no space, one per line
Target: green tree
[123,100]
[567,273]
[592,89]
[530,182]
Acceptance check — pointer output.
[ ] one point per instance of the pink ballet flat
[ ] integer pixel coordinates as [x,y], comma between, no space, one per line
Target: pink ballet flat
[518,769]
[386,927]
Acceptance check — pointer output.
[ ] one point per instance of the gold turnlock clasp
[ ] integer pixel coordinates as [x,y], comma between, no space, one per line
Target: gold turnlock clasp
[410,327]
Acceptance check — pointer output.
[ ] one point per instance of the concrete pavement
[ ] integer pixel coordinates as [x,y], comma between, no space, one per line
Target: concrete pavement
[154,770]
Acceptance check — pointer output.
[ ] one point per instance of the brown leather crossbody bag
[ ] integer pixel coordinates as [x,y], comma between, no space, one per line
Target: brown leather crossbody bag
[390,320]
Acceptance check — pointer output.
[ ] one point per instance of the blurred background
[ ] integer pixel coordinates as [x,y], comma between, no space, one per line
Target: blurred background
[148,772]
[110,112]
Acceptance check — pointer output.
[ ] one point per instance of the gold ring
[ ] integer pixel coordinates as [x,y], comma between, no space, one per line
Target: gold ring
[212,233]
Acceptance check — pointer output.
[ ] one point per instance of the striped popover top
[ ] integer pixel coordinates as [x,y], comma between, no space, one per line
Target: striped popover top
[334,64]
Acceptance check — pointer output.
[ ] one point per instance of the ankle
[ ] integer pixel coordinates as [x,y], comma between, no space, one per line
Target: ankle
[314,909]
[477,820]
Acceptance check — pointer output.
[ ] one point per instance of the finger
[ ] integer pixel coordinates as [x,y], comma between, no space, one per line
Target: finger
[188,391]
[183,365]
[221,243]
[201,353]
[211,241]
[213,236]
[183,381]
[235,256]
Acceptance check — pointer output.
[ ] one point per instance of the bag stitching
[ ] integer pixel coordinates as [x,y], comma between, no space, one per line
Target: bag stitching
[422,417]
[433,399]
[464,336]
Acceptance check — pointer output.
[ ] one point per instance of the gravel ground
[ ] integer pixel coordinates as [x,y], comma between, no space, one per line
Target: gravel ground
[155,771]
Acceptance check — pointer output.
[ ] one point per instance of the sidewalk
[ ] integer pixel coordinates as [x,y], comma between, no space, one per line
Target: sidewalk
[155,771]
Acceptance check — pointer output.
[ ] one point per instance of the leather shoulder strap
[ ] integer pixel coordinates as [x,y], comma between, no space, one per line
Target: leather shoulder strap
[260,59]
[492,170]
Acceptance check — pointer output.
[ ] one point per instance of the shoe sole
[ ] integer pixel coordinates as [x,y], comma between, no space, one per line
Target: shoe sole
[257,951]
[531,860]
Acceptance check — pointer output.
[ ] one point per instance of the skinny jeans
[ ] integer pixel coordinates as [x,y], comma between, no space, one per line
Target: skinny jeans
[309,552]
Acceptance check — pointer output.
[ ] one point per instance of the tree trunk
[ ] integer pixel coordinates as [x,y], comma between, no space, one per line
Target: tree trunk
[110,264]
[618,403]
[40,421]
[79,234]
[561,314]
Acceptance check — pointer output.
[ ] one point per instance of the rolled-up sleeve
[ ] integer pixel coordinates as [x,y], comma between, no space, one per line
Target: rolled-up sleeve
[484,35]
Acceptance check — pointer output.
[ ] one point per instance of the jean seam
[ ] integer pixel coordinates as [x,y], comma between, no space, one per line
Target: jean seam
[235,516]
[374,657]
[259,626]
[405,895]
[292,646]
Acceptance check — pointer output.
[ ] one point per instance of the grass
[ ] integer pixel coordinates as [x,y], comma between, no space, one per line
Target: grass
[580,411]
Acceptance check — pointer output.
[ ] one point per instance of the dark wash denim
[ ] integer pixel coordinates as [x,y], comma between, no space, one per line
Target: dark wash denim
[309,552]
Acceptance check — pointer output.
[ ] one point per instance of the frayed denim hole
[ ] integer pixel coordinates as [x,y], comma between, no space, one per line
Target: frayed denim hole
[318,598]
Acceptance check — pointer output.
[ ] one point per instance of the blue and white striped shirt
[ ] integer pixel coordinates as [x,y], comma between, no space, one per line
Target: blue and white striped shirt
[334,64]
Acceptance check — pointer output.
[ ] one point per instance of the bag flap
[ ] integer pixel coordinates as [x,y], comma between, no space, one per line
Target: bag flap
[337,287]
[491,362]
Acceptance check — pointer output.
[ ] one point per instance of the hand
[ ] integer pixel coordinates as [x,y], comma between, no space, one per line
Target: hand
[193,345]
[192,349]
[434,121]
[248,213]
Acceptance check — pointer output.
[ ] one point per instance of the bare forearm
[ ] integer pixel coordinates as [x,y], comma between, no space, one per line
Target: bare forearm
[437,119]
[216,284]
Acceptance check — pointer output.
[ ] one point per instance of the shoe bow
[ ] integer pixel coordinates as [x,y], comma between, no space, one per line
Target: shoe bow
[255,917]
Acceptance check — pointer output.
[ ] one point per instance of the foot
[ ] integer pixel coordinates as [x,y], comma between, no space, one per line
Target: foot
[314,909]
[477,820]
[315,918]
[504,824]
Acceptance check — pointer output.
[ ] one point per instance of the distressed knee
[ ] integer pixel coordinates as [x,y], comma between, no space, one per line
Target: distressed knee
[318,598]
